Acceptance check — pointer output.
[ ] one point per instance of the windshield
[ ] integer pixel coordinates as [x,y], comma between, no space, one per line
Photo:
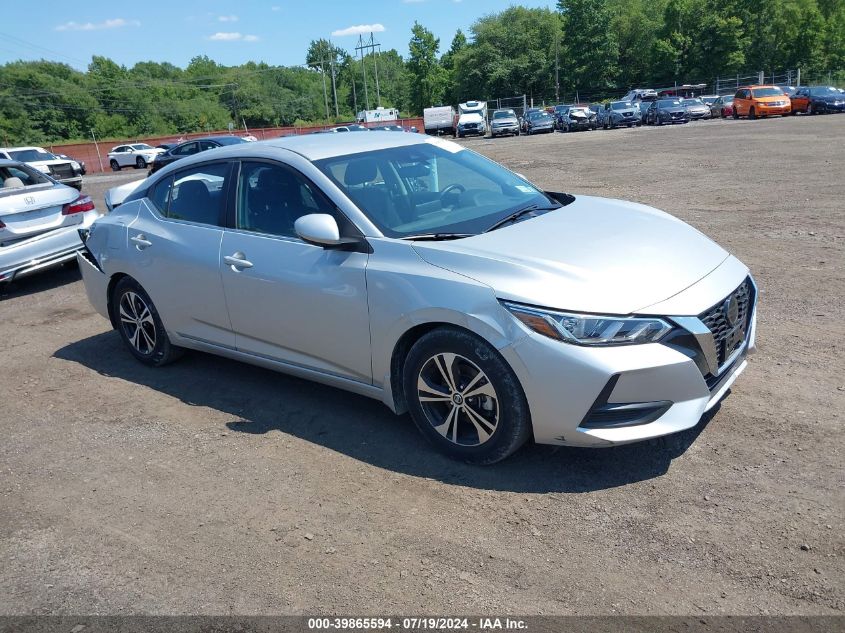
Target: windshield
[578,111]
[693,102]
[31,155]
[537,116]
[430,188]
[141,146]
[825,91]
[504,114]
[621,105]
[767,92]
[668,103]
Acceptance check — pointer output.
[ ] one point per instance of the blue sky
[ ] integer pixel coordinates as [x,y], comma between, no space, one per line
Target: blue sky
[273,31]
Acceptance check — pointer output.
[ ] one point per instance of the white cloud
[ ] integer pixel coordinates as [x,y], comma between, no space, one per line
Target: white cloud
[233,37]
[359,29]
[227,18]
[113,23]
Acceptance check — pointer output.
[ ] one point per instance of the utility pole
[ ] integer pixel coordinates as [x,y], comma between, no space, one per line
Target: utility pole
[99,158]
[334,89]
[557,71]
[325,93]
[370,46]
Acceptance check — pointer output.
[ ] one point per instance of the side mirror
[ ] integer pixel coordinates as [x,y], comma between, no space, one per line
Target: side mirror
[318,228]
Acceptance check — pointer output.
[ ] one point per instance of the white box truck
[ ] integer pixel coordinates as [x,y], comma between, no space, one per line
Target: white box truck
[472,119]
[379,115]
[439,120]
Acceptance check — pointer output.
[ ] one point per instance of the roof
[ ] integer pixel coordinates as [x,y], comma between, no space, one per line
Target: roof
[22,148]
[319,146]
[5,162]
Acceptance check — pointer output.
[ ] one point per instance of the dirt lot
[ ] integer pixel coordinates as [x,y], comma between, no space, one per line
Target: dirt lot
[214,487]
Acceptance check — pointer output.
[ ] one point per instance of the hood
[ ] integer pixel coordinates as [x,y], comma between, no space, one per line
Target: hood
[507,120]
[470,117]
[592,255]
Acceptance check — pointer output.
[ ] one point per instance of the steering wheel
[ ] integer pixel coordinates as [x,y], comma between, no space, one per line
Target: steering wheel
[455,187]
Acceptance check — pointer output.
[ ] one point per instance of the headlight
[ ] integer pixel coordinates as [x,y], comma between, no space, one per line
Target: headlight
[590,329]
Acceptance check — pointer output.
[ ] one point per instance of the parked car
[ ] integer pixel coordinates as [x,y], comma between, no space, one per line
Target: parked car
[760,101]
[818,100]
[166,146]
[618,113]
[538,122]
[39,220]
[71,160]
[504,122]
[388,128]
[65,170]
[523,120]
[115,196]
[666,111]
[576,118]
[352,127]
[696,108]
[722,106]
[189,148]
[457,300]
[137,155]
[709,99]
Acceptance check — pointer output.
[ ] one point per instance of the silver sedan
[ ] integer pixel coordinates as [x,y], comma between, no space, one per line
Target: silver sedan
[39,220]
[417,272]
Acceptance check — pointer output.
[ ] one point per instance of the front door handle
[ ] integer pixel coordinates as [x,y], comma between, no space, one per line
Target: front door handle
[141,241]
[237,260]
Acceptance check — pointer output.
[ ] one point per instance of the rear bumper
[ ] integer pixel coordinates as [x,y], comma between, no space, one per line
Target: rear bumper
[96,284]
[51,249]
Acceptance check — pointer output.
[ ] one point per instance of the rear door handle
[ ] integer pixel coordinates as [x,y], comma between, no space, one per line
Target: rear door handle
[237,260]
[141,241]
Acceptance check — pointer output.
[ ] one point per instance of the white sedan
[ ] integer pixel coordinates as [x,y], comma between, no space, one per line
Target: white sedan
[137,155]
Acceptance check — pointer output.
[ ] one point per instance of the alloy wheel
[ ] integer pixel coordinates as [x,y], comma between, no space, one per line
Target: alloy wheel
[137,322]
[458,399]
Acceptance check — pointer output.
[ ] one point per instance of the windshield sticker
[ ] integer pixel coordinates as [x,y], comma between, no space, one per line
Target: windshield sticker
[525,189]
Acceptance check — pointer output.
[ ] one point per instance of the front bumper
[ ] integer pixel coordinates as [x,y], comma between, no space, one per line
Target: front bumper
[604,396]
[765,109]
[505,129]
[43,251]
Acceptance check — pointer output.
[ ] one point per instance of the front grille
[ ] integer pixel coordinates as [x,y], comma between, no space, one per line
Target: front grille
[63,170]
[716,320]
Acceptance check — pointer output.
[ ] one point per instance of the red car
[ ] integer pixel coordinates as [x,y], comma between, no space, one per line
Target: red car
[722,107]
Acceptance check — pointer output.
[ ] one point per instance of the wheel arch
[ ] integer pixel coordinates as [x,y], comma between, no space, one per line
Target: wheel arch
[113,281]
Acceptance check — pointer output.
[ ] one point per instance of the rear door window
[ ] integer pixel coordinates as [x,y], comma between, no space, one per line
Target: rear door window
[196,194]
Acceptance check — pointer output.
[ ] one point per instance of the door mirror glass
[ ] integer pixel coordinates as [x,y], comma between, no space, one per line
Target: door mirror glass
[318,228]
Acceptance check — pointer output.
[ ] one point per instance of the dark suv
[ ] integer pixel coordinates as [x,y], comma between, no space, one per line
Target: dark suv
[189,148]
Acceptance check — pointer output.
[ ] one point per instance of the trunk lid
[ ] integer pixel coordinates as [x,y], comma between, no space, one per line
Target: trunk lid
[31,211]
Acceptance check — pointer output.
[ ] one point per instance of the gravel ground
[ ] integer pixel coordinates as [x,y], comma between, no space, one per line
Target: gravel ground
[218,488]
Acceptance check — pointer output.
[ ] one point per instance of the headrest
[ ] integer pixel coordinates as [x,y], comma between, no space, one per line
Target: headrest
[13,182]
[360,171]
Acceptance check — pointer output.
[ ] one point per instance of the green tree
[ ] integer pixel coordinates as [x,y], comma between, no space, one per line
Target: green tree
[427,78]
[591,51]
[513,53]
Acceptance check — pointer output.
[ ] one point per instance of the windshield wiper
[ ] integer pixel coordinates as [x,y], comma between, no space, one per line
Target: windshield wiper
[513,217]
[436,237]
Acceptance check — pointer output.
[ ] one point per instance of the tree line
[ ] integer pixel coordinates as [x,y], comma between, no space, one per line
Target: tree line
[594,46]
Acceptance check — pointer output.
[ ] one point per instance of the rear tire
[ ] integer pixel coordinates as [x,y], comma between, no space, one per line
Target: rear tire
[464,397]
[140,326]
[115,166]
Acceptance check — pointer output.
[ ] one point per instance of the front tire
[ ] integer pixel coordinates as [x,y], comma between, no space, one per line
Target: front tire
[735,114]
[752,114]
[140,326]
[140,163]
[464,397]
